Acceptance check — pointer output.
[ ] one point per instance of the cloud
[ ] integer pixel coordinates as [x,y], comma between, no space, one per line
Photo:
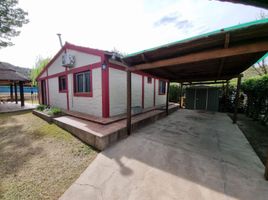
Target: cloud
[183,24]
[166,20]
[175,20]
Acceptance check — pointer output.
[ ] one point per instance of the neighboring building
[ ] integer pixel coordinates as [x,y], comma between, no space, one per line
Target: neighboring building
[94,82]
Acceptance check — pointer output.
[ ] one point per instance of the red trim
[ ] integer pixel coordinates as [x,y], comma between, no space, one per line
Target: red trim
[59,80]
[75,48]
[142,92]
[159,87]
[149,80]
[48,99]
[83,94]
[39,89]
[74,70]
[67,88]
[105,89]
[154,92]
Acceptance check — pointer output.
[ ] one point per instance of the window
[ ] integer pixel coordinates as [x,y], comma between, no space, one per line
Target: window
[62,84]
[149,79]
[162,87]
[82,84]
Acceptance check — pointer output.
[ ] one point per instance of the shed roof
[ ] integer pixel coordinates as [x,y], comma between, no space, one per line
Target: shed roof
[7,73]
[218,55]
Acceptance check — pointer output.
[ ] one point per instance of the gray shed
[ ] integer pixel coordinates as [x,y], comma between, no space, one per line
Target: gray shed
[202,98]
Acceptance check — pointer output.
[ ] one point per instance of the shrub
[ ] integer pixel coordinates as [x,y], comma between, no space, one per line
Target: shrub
[41,107]
[174,93]
[256,90]
[54,111]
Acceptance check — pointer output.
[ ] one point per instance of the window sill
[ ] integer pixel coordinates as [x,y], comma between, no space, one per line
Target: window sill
[161,93]
[88,94]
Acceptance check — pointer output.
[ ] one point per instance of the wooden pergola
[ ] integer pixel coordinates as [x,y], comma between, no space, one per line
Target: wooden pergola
[215,57]
[13,78]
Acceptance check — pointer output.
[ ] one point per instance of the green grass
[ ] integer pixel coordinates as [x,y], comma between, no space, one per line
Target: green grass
[38,160]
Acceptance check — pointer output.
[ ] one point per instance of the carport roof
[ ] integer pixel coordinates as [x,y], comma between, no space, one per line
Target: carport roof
[218,55]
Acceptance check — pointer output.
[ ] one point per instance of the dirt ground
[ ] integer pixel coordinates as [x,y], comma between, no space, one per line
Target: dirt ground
[38,160]
[256,134]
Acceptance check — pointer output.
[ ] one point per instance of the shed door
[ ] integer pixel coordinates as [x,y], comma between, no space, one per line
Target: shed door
[201,98]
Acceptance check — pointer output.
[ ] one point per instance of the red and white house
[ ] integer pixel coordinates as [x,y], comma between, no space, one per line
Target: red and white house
[96,84]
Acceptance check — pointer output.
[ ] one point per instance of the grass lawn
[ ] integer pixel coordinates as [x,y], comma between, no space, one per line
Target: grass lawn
[38,160]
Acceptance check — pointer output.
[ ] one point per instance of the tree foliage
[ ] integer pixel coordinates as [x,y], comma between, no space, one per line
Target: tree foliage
[11,18]
[256,90]
[174,93]
[38,67]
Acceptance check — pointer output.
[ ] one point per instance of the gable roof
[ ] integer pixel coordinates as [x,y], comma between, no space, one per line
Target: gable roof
[70,46]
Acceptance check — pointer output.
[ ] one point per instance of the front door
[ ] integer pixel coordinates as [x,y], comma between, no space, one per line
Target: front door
[43,93]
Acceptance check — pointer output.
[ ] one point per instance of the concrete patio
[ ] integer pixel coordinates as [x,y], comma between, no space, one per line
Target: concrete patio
[187,155]
[8,107]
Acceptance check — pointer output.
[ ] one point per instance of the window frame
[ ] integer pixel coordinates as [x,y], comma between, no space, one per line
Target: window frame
[160,92]
[75,86]
[60,87]
[149,80]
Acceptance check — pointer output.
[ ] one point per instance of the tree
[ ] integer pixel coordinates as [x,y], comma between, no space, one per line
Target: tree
[38,67]
[11,18]
[261,67]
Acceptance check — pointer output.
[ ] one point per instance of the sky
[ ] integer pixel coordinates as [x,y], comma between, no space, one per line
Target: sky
[125,25]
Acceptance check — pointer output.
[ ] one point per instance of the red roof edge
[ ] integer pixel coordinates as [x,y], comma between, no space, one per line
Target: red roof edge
[76,48]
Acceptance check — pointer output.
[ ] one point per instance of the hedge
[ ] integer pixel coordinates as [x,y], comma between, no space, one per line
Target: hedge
[256,90]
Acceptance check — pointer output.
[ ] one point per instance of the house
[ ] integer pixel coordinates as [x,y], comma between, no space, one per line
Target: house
[94,82]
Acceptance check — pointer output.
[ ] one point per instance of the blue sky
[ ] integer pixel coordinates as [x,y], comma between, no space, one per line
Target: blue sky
[128,26]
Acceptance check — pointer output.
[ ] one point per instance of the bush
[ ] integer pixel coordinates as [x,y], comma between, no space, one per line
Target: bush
[53,111]
[256,90]
[174,93]
[41,107]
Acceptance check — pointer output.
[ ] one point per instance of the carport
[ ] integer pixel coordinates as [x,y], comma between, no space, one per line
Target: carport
[216,57]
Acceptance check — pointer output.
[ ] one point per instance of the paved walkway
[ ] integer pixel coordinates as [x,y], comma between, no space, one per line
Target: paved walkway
[187,155]
[8,107]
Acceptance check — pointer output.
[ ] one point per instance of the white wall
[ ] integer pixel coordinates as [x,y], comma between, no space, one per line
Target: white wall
[136,89]
[148,93]
[159,99]
[89,105]
[117,91]
[56,99]
[81,59]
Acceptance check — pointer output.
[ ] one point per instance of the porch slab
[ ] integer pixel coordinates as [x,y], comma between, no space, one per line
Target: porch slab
[102,135]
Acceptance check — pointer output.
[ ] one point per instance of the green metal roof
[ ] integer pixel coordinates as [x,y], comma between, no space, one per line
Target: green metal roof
[228,29]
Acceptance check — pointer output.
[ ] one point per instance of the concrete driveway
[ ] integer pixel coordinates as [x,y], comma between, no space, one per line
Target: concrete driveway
[187,155]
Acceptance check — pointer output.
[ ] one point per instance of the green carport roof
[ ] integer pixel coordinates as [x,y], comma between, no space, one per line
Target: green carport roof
[218,55]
